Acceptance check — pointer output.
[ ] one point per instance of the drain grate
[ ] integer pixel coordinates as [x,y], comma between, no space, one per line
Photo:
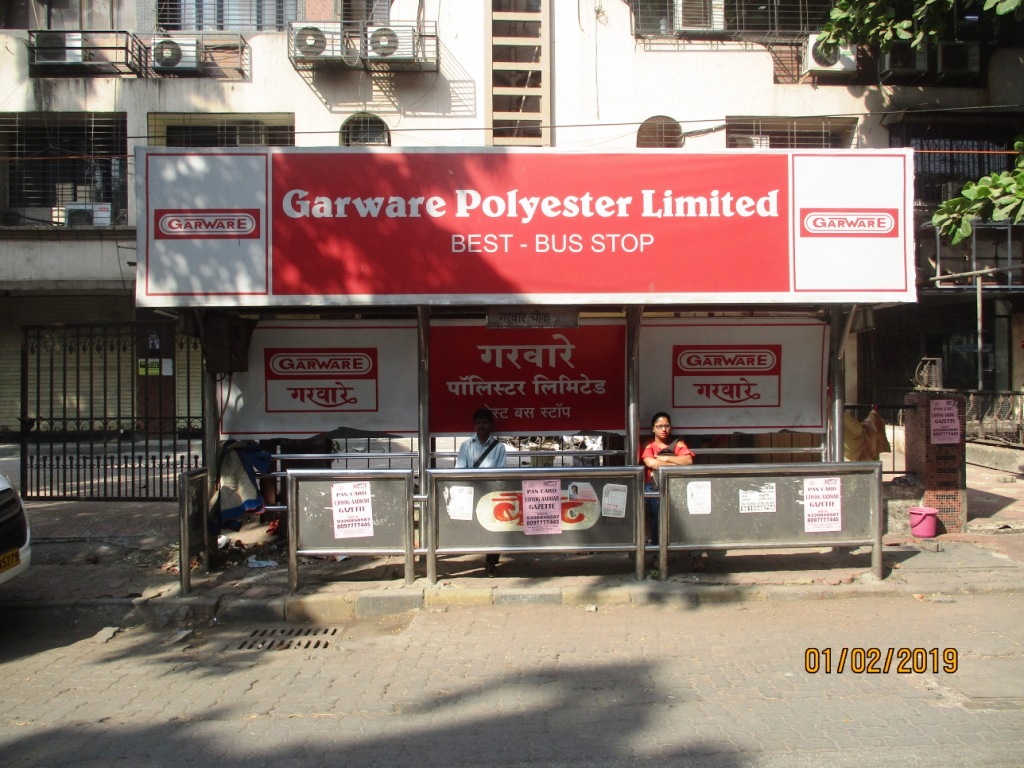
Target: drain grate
[299,638]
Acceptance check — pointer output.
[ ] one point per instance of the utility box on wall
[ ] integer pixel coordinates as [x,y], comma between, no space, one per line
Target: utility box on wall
[226,343]
[936,442]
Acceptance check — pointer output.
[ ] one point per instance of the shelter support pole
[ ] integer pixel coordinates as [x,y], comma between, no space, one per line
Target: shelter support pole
[211,417]
[981,347]
[837,379]
[634,319]
[426,523]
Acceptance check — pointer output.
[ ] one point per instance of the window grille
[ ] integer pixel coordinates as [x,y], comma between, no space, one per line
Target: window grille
[365,130]
[953,149]
[659,132]
[791,132]
[56,158]
[744,18]
[221,130]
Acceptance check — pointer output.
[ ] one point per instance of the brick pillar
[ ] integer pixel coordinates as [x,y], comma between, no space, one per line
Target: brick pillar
[942,469]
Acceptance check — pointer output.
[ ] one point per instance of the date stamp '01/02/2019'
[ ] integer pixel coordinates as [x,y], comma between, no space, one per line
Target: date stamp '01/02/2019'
[879,661]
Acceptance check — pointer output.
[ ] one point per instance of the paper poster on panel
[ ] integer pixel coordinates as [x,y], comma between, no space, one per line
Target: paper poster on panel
[535,380]
[944,420]
[352,510]
[735,374]
[309,377]
[823,504]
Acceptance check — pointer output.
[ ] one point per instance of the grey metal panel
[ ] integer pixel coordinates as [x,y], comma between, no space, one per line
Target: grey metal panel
[470,535]
[313,530]
[193,524]
[860,484]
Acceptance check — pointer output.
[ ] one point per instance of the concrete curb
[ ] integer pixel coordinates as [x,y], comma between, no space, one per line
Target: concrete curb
[339,607]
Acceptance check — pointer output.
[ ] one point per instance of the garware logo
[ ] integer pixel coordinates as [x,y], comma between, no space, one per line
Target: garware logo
[305,365]
[729,359]
[849,222]
[189,224]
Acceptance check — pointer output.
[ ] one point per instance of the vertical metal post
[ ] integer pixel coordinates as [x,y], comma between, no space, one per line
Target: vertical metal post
[837,376]
[293,532]
[877,564]
[634,317]
[981,362]
[430,529]
[426,530]
[184,539]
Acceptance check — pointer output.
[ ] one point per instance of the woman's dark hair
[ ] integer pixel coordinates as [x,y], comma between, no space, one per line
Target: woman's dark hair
[660,415]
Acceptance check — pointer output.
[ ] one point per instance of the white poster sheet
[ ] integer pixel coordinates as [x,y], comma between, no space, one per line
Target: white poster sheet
[823,504]
[352,510]
[458,500]
[761,499]
[542,506]
[613,500]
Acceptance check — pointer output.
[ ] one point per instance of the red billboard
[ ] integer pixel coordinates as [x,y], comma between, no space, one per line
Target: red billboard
[536,380]
[311,227]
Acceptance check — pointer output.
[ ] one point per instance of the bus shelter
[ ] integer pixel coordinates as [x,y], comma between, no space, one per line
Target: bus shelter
[389,293]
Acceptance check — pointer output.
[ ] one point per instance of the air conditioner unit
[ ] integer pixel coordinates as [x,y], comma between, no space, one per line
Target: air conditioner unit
[176,54]
[58,48]
[390,43]
[323,41]
[82,214]
[698,15]
[903,60]
[827,59]
[956,58]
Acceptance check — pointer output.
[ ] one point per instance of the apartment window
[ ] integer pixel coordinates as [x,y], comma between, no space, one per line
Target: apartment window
[365,130]
[60,162]
[950,150]
[659,132]
[221,130]
[229,15]
[791,132]
[744,18]
[263,15]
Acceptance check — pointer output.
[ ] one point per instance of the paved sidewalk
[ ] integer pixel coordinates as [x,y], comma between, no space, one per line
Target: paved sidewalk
[118,562]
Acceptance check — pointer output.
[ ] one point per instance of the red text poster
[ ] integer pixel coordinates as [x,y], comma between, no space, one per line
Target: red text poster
[536,380]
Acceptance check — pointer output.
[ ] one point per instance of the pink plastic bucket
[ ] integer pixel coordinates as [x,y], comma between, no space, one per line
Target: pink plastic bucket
[923,521]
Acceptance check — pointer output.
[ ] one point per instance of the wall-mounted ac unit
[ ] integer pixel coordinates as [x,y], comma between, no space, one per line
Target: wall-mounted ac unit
[903,60]
[322,41]
[957,58]
[827,59]
[176,54]
[58,48]
[390,43]
[698,15]
[82,214]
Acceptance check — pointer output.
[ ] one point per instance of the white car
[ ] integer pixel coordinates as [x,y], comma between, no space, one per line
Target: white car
[15,537]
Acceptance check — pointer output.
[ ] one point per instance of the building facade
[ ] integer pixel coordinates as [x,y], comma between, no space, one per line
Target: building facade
[86,83]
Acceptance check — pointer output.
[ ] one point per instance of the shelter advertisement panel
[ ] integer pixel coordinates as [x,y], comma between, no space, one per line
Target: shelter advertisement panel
[379,226]
[536,380]
[735,374]
[308,377]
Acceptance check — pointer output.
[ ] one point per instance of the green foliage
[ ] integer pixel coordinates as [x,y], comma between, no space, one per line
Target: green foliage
[998,197]
[881,22]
